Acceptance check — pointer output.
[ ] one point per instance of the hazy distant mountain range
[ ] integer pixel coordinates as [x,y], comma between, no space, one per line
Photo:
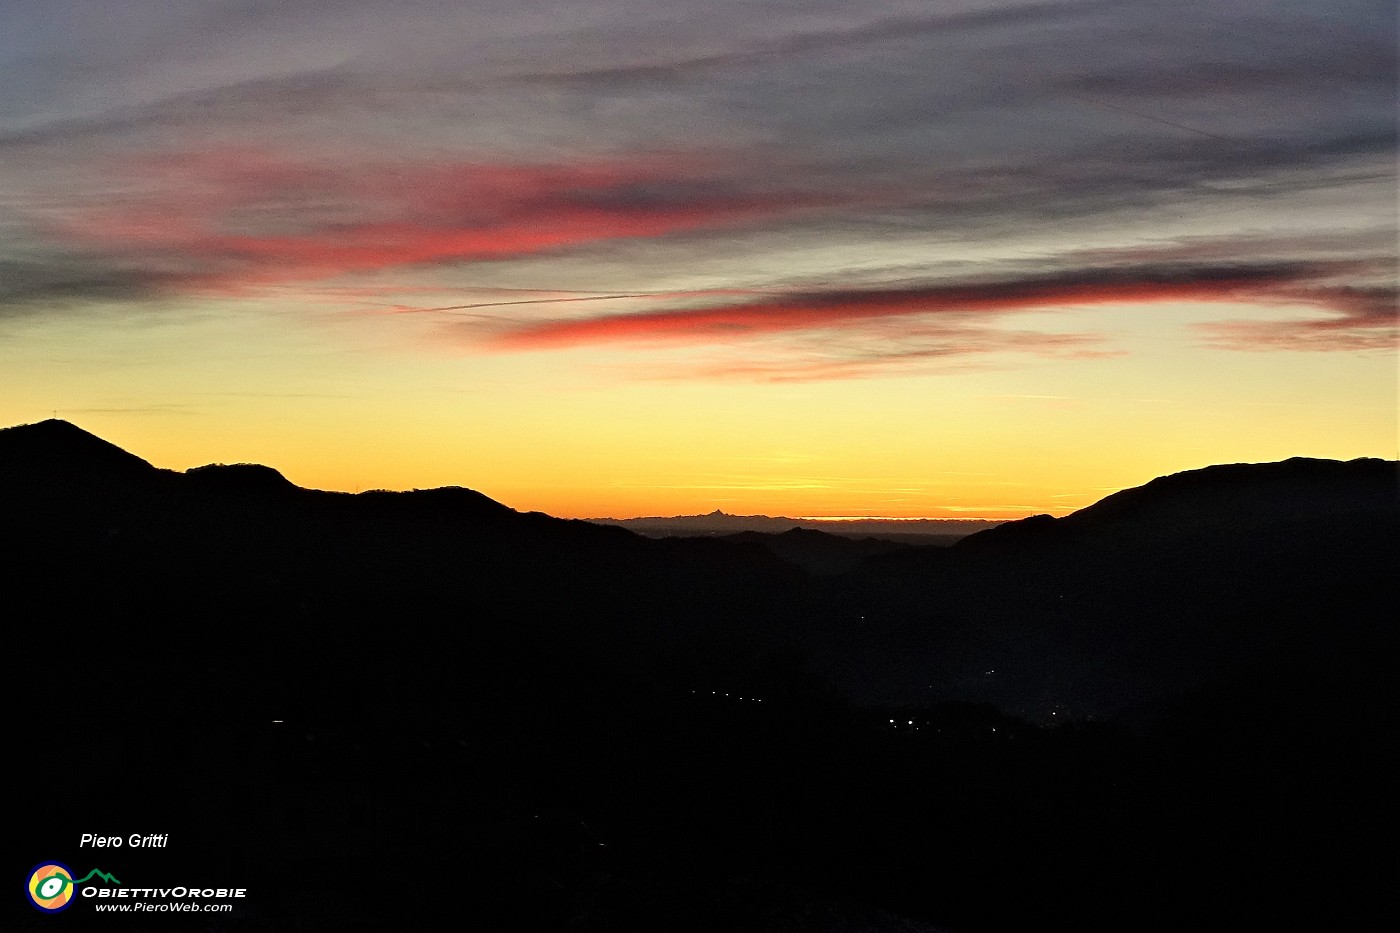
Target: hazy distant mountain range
[904,530]
[613,731]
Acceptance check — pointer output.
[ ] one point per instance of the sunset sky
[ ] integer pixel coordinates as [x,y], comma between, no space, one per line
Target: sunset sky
[646,257]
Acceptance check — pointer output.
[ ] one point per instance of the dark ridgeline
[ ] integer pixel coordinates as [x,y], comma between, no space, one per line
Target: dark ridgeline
[1173,708]
[817,551]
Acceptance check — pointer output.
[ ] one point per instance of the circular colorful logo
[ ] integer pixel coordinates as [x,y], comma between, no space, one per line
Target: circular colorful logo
[51,887]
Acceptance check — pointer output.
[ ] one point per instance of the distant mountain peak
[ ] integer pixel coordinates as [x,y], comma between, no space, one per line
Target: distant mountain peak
[797,532]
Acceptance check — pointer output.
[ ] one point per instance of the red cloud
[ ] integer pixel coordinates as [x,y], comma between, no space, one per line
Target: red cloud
[838,309]
[233,219]
[1362,318]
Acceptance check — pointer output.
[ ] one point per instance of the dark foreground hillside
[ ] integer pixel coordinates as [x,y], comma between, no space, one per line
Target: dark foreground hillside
[1172,710]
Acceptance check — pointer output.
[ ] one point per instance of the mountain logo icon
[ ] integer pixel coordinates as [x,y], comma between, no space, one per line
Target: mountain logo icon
[51,886]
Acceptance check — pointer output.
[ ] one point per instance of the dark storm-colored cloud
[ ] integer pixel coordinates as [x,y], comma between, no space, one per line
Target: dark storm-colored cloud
[60,280]
[763,53]
[356,88]
[1036,55]
[302,92]
[1368,64]
[1176,170]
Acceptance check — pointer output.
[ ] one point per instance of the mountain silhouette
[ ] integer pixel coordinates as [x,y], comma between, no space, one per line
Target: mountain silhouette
[57,450]
[248,479]
[1154,592]
[153,543]
[608,731]
[1253,493]
[1116,571]
[1231,496]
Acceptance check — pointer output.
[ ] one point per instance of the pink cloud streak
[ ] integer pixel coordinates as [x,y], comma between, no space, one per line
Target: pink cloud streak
[844,309]
[241,219]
